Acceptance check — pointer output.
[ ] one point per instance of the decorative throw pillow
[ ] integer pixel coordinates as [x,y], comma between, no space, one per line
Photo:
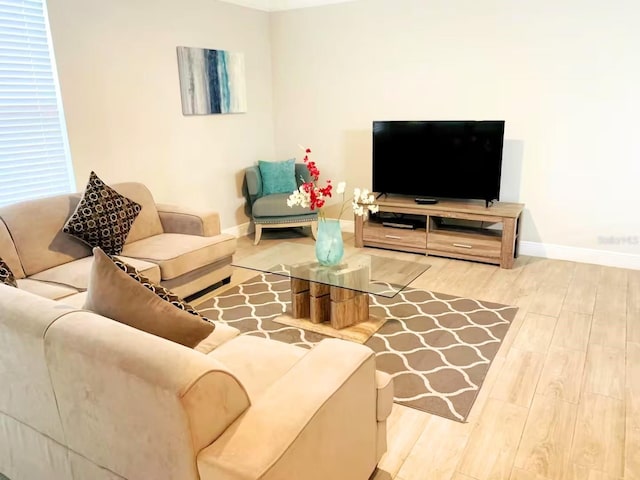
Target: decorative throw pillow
[103,218]
[278,177]
[164,293]
[6,275]
[115,294]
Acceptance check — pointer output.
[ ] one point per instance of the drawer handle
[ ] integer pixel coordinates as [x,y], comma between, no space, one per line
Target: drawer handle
[462,245]
[396,237]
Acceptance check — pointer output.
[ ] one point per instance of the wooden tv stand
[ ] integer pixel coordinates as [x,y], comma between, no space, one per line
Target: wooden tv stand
[449,228]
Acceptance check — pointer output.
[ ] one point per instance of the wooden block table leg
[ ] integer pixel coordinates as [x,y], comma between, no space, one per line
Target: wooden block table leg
[320,309]
[350,311]
[299,298]
[343,314]
[320,302]
[362,307]
[300,305]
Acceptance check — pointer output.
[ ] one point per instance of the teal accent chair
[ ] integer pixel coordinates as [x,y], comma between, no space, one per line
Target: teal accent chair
[272,211]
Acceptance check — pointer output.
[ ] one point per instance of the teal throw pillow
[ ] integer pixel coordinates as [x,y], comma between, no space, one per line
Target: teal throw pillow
[278,177]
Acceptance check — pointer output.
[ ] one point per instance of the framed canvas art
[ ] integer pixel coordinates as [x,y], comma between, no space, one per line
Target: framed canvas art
[211,81]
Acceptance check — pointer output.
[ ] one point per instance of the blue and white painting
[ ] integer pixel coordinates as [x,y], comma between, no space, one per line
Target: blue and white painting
[211,81]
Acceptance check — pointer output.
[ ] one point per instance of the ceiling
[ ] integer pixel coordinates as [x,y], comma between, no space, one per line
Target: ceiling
[279,5]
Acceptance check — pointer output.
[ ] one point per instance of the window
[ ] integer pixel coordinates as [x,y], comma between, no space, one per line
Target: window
[34,151]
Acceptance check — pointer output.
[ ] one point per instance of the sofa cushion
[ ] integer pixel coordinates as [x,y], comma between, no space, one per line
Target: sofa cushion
[222,333]
[276,206]
[76,274]
[177,254]
[115,294]
[36,229]
[257,362]
[148,221]
[6,275]
[103,217]
[278,177]
[53,291]
[76,300]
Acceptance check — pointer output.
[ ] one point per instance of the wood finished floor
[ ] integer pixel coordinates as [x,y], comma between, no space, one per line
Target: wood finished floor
[561,400]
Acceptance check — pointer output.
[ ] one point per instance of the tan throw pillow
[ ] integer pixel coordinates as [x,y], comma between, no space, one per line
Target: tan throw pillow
[6,275]
[115,294]
[103,218]
[159,290]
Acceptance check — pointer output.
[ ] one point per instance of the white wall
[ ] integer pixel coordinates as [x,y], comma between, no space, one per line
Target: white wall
[564,76]
[119,81]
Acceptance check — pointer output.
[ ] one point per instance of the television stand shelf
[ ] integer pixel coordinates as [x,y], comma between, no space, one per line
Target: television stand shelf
[450,228]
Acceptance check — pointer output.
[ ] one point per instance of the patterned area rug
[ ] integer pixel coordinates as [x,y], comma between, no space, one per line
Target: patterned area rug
[437,347]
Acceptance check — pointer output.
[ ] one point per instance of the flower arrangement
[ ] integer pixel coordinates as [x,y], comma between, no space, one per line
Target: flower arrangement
[312,195]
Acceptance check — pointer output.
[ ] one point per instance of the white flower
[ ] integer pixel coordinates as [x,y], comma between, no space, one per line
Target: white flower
[299,197]
[341,187]
[358,209]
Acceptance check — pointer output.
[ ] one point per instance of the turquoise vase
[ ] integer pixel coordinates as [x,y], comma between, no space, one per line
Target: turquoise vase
[329,245]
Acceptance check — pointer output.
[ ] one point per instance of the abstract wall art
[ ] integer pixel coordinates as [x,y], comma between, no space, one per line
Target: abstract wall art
[211,81]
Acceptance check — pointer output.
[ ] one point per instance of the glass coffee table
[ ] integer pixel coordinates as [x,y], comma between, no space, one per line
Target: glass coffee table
[335,296]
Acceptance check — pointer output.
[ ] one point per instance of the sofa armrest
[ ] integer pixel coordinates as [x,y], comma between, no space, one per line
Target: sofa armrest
[176,219]
[155,403]
[318,421]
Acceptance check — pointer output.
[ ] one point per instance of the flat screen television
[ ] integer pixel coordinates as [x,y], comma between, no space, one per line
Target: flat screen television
[438,159]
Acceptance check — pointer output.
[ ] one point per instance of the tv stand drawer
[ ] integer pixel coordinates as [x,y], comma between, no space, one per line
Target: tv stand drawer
[378,234]
[464,243]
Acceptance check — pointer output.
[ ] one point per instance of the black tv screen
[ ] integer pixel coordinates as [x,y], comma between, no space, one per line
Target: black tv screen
[438,159]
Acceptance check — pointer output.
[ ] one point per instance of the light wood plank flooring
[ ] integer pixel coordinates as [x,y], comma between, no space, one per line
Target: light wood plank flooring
[562,398]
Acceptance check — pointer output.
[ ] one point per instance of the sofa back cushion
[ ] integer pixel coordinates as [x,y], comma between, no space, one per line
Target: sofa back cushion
[36,229]
[139,405]
[147,223]
[27,394]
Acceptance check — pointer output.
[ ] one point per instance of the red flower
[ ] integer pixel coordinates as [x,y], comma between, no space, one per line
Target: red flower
[317,195]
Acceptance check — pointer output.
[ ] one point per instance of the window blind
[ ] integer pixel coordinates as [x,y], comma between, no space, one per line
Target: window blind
[34,153]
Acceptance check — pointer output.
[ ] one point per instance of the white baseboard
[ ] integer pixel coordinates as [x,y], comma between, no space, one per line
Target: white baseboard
[240,230]
[582,255]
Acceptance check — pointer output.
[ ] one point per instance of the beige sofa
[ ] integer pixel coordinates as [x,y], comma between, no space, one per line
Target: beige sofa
[181,249]
[87,398]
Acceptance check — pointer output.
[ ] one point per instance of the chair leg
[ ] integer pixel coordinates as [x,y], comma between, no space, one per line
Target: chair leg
[258,234]
[314,230]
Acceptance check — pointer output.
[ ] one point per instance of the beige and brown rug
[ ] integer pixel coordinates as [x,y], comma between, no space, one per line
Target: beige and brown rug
[437,347]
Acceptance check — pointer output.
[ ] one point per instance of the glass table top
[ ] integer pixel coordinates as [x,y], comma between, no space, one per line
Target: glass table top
[375,274]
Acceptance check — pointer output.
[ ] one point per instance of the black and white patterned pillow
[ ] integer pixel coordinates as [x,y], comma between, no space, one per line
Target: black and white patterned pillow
[159,290]
[6,275]
[103,218]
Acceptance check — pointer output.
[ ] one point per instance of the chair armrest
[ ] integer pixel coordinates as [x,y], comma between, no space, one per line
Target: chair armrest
[176,219]
[252,184]
[318,421]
